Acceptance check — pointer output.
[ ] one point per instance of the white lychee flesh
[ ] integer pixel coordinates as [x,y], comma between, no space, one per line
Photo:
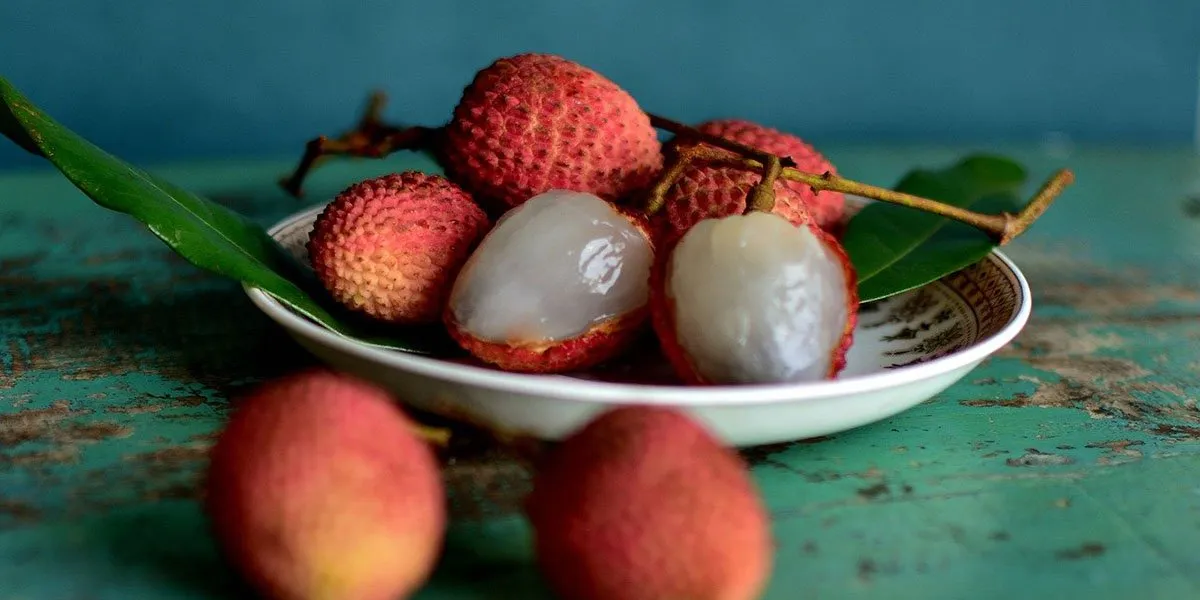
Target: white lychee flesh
[757,300]
[551,269]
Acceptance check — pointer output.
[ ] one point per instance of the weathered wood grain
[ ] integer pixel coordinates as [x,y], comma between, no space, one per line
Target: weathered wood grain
[1065,465]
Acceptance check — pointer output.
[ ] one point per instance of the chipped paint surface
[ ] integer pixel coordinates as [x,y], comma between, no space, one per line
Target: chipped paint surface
[1067,462]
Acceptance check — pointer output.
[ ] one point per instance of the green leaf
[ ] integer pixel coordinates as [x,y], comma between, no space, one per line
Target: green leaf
[207,234]
[883,236]
[12,129]
[955,246]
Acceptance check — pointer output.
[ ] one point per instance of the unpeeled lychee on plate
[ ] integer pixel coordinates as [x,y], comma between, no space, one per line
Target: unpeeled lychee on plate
[705,190]
[390,247]
[754,299]
[561,283]
[319,488]
[644,503]
[531,123]
[825,207]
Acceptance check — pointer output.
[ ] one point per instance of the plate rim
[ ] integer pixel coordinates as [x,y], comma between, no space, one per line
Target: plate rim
[574,389]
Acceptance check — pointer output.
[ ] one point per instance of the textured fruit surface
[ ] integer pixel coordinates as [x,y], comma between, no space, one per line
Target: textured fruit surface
[561,282]
[531,123]
[755,299]
[711,192]
[826,207]
[643,503]
[390,247]
[319,489]
[705,191]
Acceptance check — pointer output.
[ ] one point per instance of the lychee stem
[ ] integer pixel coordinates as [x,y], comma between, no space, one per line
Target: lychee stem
[1015,225]
[1003,227]
[762,196]
[675,167]
[434,436]
[371,138]
[684,131]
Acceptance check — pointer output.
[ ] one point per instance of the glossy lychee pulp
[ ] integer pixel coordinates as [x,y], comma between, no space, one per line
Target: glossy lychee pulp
[757,300]
[553,268]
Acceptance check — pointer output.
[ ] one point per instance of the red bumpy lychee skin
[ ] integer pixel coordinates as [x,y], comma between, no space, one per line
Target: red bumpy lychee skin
[535,122]
[390,247]
[705,191]
[598,345]
[319,488]
[662,307]
[644,503]
[826,207]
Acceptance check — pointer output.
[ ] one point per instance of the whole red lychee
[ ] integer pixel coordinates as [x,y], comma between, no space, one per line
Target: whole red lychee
[826,207]
[560,284]
[319,488]
[754,299]
[705,190]
[390,247]
[644,503]
[530,123]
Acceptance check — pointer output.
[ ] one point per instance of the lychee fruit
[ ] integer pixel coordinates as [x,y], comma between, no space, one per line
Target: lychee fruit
[530,123]
[561,283]
[644,503]
[319,488]
[754,299]
[390,247]
[705,190]
[825,207]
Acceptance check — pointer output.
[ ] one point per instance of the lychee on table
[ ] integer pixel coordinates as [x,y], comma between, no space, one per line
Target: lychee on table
[1048,471]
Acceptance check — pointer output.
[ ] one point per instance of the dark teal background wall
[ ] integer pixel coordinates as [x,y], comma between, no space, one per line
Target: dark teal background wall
[157,80]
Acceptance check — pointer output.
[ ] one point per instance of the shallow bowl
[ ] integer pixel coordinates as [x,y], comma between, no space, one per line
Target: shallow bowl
[907,348]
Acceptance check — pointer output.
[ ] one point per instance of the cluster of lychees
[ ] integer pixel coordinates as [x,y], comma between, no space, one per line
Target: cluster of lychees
[539,254]
[562,229]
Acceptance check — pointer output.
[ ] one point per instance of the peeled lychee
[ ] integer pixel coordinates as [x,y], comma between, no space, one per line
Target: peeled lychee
[390,247]
[753,298]
[531,123]
[560,283]
[644,503]
[318,488]
[706,191]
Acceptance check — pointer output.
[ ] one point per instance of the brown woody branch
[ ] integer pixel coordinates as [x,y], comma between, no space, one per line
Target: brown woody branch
[1003,227]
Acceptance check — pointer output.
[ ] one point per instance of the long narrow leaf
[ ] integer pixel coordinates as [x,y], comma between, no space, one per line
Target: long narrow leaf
[207,234]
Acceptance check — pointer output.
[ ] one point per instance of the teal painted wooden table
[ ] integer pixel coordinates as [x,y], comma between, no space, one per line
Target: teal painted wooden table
[1066,465]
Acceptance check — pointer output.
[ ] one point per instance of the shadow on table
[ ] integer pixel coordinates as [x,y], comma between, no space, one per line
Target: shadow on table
[163,550]
[167,550]
[487,559]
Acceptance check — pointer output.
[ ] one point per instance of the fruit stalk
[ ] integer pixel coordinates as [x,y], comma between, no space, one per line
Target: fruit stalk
[1003,227]
[762,196]
[682,130]
[1015,225]
[372,138]
[438,437]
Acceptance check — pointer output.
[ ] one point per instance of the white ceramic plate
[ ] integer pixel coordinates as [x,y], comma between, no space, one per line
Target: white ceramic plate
[906,349]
